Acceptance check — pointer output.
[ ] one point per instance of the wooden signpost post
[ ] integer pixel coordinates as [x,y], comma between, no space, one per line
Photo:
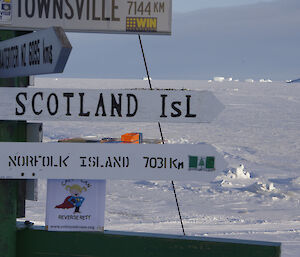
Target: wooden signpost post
[10,131]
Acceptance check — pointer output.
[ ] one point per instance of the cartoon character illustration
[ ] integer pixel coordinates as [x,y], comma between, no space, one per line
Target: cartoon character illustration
[74,200]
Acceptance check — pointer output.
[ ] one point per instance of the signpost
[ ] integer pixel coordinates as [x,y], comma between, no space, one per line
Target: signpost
[47,52]
[106,16]
[10,131]
[42,52]
[108,105]
[110,161]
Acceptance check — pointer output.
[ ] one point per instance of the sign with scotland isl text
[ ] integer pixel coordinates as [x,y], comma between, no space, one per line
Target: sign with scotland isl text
[140,105]
[199,162]
[106,16]
[42,52]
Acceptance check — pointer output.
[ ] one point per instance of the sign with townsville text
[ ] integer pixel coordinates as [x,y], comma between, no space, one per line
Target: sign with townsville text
[106,16]
[139,105]
[110,161]
[42,52]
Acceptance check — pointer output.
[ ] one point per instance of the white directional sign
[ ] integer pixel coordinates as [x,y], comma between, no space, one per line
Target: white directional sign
[107,16]
[108,105]
[110,161]
[42,52]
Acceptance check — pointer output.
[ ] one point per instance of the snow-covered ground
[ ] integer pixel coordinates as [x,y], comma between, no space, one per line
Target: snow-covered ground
[256,198]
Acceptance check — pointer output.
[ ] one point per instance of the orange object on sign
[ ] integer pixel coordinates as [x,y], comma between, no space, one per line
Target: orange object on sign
[132,138]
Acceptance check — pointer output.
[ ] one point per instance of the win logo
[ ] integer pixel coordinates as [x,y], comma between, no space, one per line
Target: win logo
[202,163]
[136,24]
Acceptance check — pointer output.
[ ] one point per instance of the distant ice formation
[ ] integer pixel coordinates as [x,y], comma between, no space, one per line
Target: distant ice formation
[219,79]
[293,81]
[223,79]
[265,80]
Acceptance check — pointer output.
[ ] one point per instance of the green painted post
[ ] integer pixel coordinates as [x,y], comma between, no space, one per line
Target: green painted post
[10,131]
[38,243]
[8,207]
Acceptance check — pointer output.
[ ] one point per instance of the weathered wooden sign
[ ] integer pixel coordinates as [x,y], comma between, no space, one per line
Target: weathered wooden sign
[108,105]
[42,52]
[110,161]
[107,16]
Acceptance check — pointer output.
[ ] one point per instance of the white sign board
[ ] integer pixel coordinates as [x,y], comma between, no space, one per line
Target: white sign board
[108,105]
[75,205]
[42,52]
[106,16]
[110,161]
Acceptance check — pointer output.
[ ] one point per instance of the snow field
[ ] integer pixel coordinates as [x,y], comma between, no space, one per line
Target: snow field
[257,197]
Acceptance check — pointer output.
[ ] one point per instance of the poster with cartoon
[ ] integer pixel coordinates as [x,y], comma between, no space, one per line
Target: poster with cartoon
[5,11]
[75,205]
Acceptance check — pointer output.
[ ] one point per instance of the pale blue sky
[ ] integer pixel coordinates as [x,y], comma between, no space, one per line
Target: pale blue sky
[246,39]
[191,5]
